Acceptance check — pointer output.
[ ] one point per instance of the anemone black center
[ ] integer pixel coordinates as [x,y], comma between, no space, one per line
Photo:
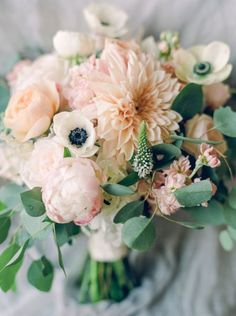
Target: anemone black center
[78,136]
[202,68]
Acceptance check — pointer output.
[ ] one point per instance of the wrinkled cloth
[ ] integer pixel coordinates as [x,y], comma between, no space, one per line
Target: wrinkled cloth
[187,273]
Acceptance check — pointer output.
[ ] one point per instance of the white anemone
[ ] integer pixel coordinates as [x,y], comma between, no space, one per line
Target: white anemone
[203,64]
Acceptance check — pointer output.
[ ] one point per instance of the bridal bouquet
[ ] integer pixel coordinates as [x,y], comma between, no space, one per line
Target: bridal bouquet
[106,135]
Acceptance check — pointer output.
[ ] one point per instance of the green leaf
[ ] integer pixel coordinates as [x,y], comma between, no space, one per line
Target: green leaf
[213,214]
[168,150]
[7,254]
[132,209]
[130,179]
[32,201]
[195,140]
[230,215]
[36,226]
[10,196]
[4,95]
[232,232]
[117,189]
[226,241]
[9,271]
[139,233]
[5,224]
[189,101]
[40,274]
[67,152]
[232,198]
[194,194]
[64,232]
[59,254]
[225,121]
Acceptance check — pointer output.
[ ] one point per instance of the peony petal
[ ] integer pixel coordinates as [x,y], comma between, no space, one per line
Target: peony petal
[217,53]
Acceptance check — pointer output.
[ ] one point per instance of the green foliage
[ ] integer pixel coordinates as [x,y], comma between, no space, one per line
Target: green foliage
[36,227]
[10,196]
[10,261]
[195,140]
[189,101]
[225,121]
[59,254]
[5,224]
[232,198]
[130,179]
[117,189]
[40,274]
[65,232]
[32,202]
[230,215]
[132,209]
[213,214]
[4,95]
[67,152]
[194,194]
[139,233]
[226,240]
[167,152]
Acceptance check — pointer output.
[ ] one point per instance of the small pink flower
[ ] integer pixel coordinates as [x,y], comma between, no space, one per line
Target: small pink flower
[166,200]
[17,71]
[209,156]
[182,166]
[72,191]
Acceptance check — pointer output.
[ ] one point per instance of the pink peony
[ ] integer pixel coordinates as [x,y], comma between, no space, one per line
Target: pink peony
[45,157]
[72,191]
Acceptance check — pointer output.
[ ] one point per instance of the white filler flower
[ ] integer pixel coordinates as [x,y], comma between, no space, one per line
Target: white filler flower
[75,132]
[203,64]
[106,20]
[70,44]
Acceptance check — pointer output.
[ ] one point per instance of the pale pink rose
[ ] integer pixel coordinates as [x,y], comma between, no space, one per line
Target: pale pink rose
[30,111]
[216,95]
[202,126]
[45,157]
[72,191]
[209,156]
[17,71]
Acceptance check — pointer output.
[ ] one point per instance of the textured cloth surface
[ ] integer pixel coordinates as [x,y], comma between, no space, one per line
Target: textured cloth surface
[187,274]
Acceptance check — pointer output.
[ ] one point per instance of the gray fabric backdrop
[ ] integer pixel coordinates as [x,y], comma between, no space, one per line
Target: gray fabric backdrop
[187,274]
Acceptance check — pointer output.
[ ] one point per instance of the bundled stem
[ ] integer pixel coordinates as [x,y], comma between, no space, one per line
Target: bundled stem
[105,281]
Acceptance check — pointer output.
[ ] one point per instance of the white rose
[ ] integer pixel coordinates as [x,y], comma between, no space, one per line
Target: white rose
[70,44]
[75,132]
[45,157]
[106,20]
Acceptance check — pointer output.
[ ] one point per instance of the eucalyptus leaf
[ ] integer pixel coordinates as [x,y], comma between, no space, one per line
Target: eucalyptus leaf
[225,121]
[10,196]
[168,150]
[139,233]
[59,254]
[32,202]
[7,255]
[132,209]
[117,189]
[194,194]
[130,179]
[230,215]
[36,226]
[65,232]
[232,198]
[189,101]
[4,95]
[40,274]
[5,223]
[226,241]
[213,214]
